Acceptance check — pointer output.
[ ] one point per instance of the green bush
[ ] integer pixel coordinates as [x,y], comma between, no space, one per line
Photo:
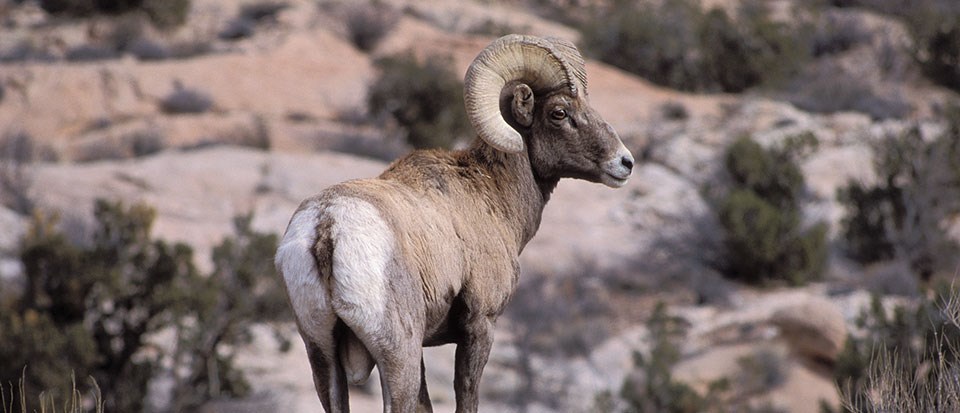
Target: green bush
[935,28]
[727,59]
[424,97]
[834,33]
[90,309]
[676,44]
[368,23]
[760,215]
[937,47]
[651,387]
[185,101]
[902,216]
[17,151]
[827,87]
[658,42]
[242,288]
[750,50]
[655,389]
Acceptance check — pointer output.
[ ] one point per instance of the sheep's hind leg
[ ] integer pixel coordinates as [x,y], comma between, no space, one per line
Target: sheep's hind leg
[329,379]
[398,377]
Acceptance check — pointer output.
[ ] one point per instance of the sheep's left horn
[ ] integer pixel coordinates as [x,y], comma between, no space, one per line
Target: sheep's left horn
[543,64]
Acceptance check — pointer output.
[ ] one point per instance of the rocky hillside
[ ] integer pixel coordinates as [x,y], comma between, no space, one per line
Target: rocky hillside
[252,107]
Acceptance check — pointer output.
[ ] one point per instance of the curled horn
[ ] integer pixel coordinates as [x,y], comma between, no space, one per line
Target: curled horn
[542,63]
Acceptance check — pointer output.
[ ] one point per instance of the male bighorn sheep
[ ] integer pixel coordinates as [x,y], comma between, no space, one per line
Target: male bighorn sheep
[427,253]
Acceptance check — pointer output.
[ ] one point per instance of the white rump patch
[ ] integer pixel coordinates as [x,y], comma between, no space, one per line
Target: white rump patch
[296,263]
[363,247]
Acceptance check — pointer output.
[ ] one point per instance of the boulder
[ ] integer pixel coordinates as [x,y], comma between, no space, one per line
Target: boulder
[814,328]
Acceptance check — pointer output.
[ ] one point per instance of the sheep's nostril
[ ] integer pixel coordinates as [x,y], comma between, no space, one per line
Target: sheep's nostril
[627,162]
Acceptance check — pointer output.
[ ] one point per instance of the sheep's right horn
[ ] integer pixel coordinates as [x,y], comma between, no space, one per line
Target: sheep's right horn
[543,64]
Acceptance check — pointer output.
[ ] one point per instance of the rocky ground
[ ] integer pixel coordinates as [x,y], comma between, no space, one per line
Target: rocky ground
[297,86]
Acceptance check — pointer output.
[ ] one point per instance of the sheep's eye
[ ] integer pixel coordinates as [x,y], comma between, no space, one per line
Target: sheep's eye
[558,114]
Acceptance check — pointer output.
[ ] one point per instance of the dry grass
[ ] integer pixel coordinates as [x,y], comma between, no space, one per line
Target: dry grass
[75,402]
[893,384]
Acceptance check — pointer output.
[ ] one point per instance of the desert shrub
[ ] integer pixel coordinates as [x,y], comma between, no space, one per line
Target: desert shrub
[241,289]
[147,50]
[237,29]
[934,26]
[257,137]
[834,33]
[369,22]
[145,142]
[25,51]
[907,360]
[826,87]
[424,97]
[674,111]
[125,29]
[18,146]
[654,389]
[262,11]
[676,44]
[163,13]
[749,50]
[763,237]
[90,308]
[182,100]
[901,217]
[937,47]
[190,48]
[90,53]
[651,387]
[17,150]
[726,53]
[167,13]
[658,42]
[251,15]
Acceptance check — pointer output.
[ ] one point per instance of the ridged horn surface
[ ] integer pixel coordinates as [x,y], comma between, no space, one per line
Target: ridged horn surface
[543,64]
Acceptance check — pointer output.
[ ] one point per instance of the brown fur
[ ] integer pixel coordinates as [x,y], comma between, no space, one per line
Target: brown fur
[460,220]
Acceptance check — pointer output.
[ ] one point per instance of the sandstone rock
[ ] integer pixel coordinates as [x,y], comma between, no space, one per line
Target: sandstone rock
[197,193]
[310,71]
[815,328]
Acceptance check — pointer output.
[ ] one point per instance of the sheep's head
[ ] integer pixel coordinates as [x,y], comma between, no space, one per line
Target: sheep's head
[527,93]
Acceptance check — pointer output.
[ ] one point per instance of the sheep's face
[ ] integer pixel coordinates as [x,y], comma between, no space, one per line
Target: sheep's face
[568,139]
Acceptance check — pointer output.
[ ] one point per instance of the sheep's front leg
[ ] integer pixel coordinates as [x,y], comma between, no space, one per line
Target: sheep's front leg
[472,353]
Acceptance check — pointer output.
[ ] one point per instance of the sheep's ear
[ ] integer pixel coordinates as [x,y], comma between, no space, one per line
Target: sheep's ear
[522,105]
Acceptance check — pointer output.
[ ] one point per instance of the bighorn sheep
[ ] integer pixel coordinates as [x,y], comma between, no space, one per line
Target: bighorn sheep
[427,253]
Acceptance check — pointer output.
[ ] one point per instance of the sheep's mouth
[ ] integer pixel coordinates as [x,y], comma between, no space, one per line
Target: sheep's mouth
[612,180]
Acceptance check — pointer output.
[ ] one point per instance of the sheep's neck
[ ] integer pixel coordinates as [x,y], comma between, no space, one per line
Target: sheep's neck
[521,195]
